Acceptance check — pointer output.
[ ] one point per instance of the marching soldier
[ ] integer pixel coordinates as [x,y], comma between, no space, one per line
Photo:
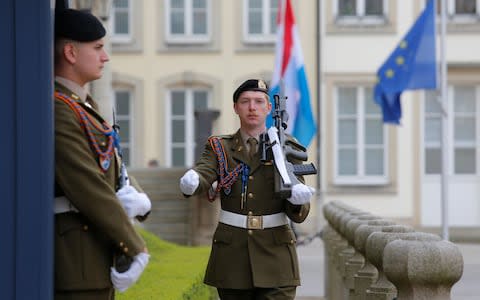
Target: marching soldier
[253,252]
[92,213]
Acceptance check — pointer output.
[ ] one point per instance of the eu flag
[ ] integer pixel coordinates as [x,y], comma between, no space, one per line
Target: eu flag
[412,65]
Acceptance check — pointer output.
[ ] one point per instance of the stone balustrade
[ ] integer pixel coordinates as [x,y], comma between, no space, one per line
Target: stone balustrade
[371,258]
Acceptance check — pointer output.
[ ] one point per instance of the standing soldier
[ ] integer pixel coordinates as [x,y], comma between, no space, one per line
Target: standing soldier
[92,219]
[253,253]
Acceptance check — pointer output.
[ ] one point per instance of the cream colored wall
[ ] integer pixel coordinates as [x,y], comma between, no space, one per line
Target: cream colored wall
[230,65]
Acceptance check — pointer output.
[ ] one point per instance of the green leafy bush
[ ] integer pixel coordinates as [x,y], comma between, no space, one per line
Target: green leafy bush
[173,273]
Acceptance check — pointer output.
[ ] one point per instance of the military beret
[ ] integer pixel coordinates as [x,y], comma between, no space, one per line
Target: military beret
[251,85]
[78,26]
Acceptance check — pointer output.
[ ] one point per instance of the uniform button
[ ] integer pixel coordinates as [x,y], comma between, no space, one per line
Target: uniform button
[250,195]
[215,241]
[85,227]
[250,232]
[125,249]
[300,214]
[250,213]
[250,177]
[291,242]
[121,244]
[239,148]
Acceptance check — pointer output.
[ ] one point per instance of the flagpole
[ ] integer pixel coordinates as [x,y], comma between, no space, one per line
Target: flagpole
[445,129]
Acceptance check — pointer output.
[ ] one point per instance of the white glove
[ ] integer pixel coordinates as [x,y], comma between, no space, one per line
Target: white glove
[122,281]
[301,194]
[134,203]
[189,182]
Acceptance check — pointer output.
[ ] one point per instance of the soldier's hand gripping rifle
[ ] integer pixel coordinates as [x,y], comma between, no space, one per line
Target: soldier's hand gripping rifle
[275,145]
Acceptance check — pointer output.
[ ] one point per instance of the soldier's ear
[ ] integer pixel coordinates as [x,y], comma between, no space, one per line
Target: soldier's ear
[70,52]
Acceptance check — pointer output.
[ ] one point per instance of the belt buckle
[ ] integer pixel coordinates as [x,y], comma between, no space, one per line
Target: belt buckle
[254,222]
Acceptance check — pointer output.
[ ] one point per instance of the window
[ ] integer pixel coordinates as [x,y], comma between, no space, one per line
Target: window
[188,21]
[360,138]
[462,11]
[260,20]
[463,121]
[121,21]
[182,104]
[123,118]
[361,11]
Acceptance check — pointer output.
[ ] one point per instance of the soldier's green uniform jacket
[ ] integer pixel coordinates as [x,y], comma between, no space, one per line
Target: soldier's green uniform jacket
[85,242]
[245,258]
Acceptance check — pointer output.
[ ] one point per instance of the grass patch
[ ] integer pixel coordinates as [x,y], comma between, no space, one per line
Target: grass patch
[173,273]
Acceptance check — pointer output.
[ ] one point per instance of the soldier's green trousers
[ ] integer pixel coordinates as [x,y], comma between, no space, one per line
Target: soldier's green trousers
[105,294]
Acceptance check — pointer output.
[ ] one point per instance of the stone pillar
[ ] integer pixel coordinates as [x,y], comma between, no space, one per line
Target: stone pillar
[376,243]
[368,274]
[423,269]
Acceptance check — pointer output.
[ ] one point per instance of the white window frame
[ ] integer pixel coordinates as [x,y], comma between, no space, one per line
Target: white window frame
[122,38]
[451,134]
[188,37]
[189,124]
[463,18]
[130,119]
[360,178]
[360,17]
[265,37]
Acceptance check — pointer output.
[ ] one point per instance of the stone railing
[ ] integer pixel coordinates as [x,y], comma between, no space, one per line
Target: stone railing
[368,257]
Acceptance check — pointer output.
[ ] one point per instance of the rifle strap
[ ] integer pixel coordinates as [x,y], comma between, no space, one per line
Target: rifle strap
[86,122]
[226,178]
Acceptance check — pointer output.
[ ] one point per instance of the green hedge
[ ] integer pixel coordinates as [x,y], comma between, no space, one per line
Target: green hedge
[173,273]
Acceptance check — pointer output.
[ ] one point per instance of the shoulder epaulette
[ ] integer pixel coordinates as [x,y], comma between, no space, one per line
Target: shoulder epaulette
[223,136]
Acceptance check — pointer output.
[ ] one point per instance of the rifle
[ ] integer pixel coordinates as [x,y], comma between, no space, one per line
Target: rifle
[275,145]
[122,261]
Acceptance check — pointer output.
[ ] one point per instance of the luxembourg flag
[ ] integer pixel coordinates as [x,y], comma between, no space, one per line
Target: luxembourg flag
[289,74]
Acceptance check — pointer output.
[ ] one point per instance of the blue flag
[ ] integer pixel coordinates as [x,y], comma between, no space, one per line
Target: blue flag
[412,65]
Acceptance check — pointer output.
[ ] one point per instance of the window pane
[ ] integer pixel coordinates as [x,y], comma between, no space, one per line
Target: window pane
[347,7]
[347,132]
[347,104]
[373,132]
[433,130]
[180,4]
[120,3]
[255,22]
[433,161]
[371,107]
[464,129]
[465,162]
[122,103]
[121,22]
[177,23]
[178,156]
[178,131]
[374,162]
[431,103]
[200,4]
[200,22]
[124,130]
[200,100]
[178,103]
[464,100]
[465,6]
[347,162]
[273,16]
[255,4]
[126,155]
[374,7]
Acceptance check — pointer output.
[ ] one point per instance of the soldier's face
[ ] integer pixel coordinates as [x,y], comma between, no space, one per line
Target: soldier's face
[252,108]
[90,60]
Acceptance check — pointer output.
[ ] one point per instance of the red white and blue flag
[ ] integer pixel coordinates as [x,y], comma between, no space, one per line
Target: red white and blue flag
[289,75]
